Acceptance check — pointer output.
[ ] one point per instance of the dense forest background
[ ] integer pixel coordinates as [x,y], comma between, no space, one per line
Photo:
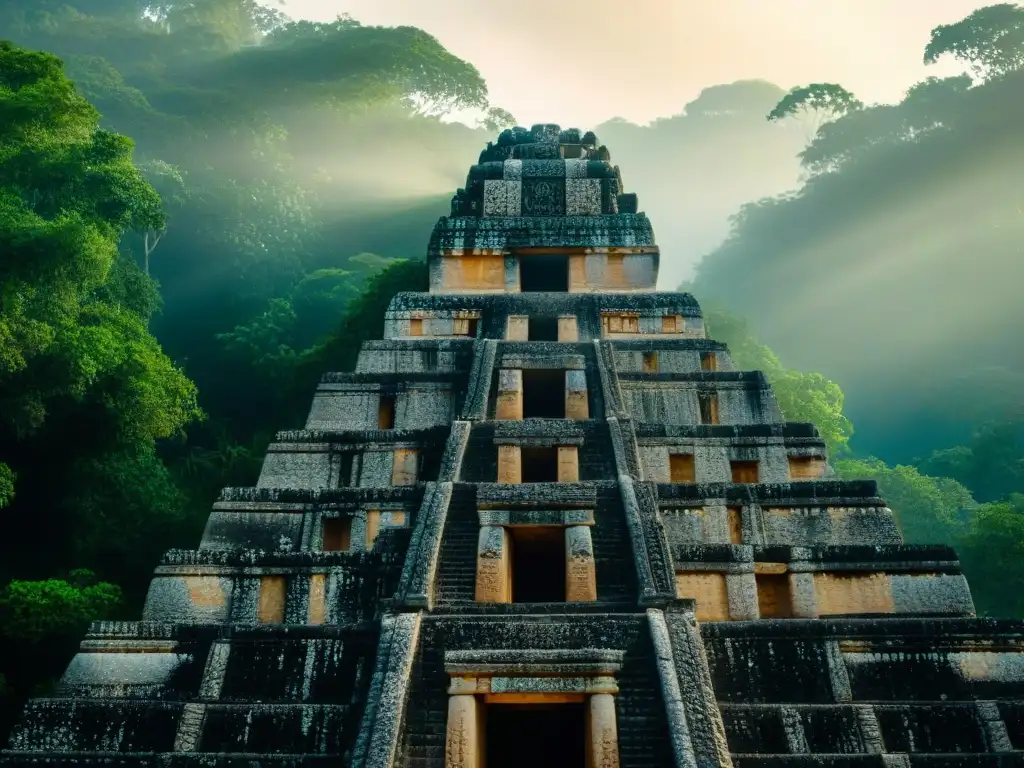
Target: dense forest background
[205,204]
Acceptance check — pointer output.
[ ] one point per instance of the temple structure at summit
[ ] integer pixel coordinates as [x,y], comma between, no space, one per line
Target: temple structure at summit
[545,522]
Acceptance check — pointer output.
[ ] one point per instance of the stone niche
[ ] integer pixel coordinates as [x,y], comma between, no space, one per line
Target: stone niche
[535,544]
[541,393]
[537,461]
[624,324]
[733,582]
[513,703]
[340,406]
[355,530]
[553,327]
[679,400]
[667,460]
[434,324]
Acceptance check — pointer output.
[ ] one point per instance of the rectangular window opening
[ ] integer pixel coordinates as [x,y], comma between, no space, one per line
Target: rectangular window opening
[337,534]
[544,273]
[416,327]
[539,464]
[806,467]
[681,468]
[465,326]
[709,361]
[543,394]
[774,600]
[386,412]
[346,462]
[538,564]
[708,402]
[650,362]
[273,593]
[735,516]
[620,322]
[536,734]
[670,324]
[744,471]
[543,329]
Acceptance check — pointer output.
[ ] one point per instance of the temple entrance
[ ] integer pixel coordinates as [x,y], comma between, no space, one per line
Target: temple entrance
[538,564]
[542,329]
[544,273]
[536,735]
[539,464]
[543,394]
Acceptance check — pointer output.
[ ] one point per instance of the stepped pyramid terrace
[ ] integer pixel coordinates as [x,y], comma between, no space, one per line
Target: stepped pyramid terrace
[545,522]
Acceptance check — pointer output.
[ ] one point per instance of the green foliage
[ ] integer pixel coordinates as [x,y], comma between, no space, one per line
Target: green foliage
[7,478]
[992,552]
[927,509]
[916,206]
[991,464]
[990,40]
[694,169]
[33,610]
[127,510]
[69,192]
[364,317]
[349,62]
[497,119]
[275,167]
[816,103]
[803,397]
[860,132]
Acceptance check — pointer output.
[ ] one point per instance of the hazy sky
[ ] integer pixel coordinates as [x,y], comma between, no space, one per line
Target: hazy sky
[578,62]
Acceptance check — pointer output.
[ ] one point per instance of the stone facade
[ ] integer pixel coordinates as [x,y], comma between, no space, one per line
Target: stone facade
[545,494]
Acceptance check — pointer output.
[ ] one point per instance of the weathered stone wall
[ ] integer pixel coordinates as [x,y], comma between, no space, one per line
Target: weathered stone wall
[495,310]
[867,686]
[339,406]
[742,605]
[642,725]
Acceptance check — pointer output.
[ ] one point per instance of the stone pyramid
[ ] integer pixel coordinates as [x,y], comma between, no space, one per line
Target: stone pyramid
[545,522]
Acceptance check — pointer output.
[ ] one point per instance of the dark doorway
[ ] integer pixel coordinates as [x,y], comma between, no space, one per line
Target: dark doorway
[543,394]
[774,600]
[539,464]
[386,412]
[537,735]
[708,402]
[337,534]
[543,329]
[538,564]
[543,273]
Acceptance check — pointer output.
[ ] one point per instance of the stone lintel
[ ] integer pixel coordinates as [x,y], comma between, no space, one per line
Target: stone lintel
[543,362]
[507,661]
[370,445]
[694,566]
[531,517]
[129,646]
[259,506]
[897,644]
[922,566]
[536,495]
[409,383]
[256,570]
[556,681]
[688,566]
[539,441]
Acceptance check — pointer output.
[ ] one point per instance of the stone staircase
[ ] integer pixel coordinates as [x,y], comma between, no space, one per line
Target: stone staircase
[456,568]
